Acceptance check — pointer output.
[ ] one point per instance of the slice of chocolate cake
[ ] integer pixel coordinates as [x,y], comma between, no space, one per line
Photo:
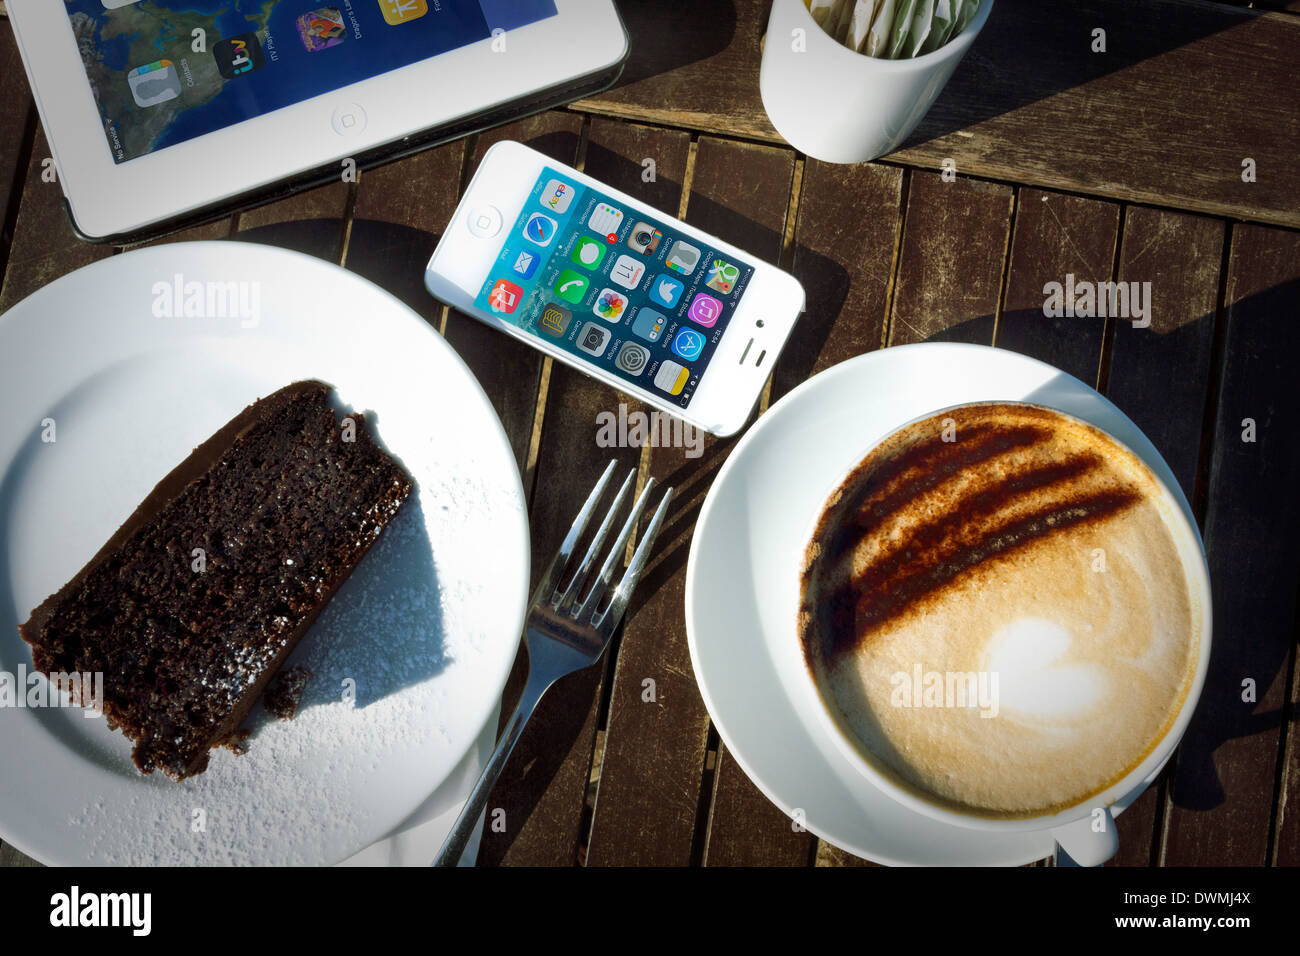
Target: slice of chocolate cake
[192,606]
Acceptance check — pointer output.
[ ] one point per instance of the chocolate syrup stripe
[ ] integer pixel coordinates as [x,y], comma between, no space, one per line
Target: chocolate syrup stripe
[938,551]
[923,467]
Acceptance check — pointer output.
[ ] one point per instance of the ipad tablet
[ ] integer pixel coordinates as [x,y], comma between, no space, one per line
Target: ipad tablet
[165,113]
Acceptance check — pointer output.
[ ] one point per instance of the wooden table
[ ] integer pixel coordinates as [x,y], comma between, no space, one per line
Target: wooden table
[1125,165]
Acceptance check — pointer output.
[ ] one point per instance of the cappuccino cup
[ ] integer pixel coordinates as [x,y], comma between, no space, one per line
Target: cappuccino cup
[1005,621]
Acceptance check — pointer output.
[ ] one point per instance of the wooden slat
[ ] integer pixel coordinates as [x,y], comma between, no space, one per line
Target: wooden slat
[651,782]
[1165,116]
[845,236]
[545,787]
[828,854]
[15,121]
[217,229]
[1159,376]
[44,245]
[704,78]
[11,857]
[1057,236]
[744,827]
[398,217]
[1223,795]
[747,829]
[510,371]
[1286,846]
[310,222]
[950,265]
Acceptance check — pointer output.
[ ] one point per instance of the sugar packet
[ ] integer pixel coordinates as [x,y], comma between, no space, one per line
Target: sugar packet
[902,27]
[864,12]
[877,41]
[919,31]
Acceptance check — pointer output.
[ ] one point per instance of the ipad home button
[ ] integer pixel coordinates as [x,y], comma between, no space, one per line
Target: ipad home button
[348,119]
[484,221]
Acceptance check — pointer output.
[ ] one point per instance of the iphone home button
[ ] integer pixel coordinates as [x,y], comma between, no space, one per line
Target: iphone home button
[484,221]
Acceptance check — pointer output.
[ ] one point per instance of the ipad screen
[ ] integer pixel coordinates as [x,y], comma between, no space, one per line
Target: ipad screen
[167,71]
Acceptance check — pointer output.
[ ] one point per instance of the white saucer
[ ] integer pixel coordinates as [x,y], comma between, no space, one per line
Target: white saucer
[742,583]
[425,631]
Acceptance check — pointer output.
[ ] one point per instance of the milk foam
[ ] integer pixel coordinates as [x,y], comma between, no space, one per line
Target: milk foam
[1038,680]
[1093,660]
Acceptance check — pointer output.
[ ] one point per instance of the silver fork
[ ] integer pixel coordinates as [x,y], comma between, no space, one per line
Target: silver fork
[564,631]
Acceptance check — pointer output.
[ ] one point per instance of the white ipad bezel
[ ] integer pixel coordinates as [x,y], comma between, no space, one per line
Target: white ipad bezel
[109,199]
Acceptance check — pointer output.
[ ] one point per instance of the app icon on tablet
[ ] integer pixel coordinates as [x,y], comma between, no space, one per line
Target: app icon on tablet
[402,11]
[321,29]
[154,83]
[238,55]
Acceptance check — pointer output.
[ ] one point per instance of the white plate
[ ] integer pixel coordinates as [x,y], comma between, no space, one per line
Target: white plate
[426,628]
[742,590]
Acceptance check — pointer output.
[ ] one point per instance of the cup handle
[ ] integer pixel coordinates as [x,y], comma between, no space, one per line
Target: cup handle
[1085,842]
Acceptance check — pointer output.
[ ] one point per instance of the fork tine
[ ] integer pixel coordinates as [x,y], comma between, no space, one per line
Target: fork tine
[580,578]
[623,593]
[553,573]
[601,584]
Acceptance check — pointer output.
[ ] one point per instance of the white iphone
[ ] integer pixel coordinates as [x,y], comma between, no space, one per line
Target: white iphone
[684,322]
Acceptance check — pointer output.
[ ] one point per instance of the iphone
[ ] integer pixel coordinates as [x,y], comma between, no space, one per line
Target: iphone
[589,275]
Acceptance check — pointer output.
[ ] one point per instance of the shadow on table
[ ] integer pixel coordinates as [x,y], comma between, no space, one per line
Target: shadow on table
[1021,56]
[659,44]
[389,254]
[321,238]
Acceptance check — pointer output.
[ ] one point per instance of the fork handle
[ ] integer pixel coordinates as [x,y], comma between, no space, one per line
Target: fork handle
[463,830]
